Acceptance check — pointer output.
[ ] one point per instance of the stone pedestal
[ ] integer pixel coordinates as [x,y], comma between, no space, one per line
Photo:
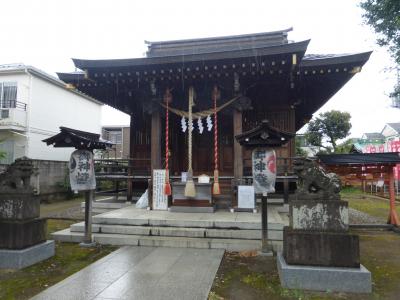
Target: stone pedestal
[22,231]
[319,253]
[316,248]
[22,234]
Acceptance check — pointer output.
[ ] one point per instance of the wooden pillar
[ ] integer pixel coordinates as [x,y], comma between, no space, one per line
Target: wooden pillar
[237,149]
[130,161]
[393,217]
[87,237]
[155,140]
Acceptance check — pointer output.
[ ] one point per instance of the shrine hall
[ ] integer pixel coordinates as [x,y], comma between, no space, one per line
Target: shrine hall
[215,89]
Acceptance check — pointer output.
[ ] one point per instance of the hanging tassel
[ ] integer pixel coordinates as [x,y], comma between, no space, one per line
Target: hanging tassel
[190,190]
[216,188]
[167,185]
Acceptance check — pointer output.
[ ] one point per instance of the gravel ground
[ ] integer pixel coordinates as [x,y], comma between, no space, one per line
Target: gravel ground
[359,217]
[69,213]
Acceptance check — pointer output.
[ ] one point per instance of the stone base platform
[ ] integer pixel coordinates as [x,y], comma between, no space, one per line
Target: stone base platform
[18,259]
[351,280]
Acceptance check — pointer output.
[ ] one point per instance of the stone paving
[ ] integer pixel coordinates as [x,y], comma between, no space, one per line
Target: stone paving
[142,273]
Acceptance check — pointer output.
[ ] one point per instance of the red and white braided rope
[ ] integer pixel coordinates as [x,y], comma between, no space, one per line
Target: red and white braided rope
[166,135]
[215,94]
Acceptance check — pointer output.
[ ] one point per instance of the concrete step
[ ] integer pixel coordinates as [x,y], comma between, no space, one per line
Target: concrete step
[102,206]
[245,234]
[162,241]
[107,205]
[220,223]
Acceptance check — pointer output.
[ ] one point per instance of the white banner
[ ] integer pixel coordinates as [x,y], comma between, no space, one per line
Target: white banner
[264,170]
[81,171]
[160,200]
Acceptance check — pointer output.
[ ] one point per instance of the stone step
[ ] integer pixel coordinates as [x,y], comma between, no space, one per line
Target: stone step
[180,231]
[107,205]
[161,241]
[220,224]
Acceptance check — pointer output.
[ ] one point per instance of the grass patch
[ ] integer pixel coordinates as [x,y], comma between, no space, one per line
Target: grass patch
[370,204]
[69,258]
[247,278]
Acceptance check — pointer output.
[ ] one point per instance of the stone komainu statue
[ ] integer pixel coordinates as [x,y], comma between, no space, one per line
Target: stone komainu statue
[314,183]
[17,176]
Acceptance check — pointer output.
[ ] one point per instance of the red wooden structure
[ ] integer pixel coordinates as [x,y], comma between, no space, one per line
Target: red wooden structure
[363,166]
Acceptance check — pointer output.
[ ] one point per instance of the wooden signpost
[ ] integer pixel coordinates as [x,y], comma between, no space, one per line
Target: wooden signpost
[81,166]
[263,139]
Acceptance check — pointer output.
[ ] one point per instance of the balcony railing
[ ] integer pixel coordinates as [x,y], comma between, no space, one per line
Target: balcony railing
[13,104]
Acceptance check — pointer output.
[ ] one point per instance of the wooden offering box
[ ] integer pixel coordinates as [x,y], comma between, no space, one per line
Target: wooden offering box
[202,202]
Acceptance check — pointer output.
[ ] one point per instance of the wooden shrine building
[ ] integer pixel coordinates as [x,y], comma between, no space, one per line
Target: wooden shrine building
[262,76]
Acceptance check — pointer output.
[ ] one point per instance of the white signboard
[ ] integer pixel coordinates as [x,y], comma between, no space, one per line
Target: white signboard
[204,179]
[160,200]
[183,176]
[81,171]
[264,170]
[246,196]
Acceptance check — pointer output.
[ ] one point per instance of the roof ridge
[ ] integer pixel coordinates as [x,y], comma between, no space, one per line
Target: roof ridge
[225,37]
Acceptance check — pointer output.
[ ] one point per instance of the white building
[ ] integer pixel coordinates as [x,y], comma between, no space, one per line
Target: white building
[391,132]
[33,105]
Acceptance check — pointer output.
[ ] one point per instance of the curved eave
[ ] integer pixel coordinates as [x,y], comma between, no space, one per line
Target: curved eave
[360,58]
[69,77]
[316,89]
[299,47]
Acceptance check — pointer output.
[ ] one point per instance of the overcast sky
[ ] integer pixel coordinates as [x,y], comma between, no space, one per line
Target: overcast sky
[46,34]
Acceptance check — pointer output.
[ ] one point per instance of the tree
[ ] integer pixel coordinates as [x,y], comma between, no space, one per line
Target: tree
[299,151]
[345,147]
[384,17]
[328,127]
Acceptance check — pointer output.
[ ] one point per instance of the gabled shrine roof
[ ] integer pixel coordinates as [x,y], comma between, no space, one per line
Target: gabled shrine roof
[307,81]
[264,135]
[186,58]
[217,44]
[73,138]
[361,159]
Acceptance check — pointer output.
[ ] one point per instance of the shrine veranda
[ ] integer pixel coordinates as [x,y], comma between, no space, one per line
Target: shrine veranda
[245,78]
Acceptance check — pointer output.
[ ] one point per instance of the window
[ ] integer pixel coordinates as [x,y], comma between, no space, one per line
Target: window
[8,94]
[7,152]
[115,137]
